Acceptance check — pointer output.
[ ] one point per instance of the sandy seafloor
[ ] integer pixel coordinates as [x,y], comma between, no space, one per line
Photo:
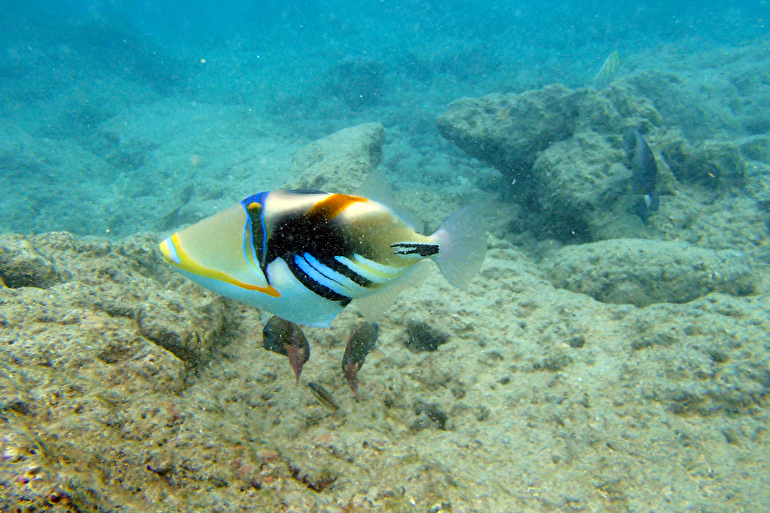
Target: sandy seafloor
[625,375]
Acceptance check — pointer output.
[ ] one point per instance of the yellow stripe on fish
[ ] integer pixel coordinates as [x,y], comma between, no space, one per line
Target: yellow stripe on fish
[305,255]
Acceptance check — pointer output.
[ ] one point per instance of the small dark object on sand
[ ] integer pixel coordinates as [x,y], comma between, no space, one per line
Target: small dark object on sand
[323,396]
[422,336]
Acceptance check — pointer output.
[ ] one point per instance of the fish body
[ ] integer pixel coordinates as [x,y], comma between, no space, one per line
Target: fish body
[305,255]
[323,396]
[361,342]
[608,72]
[644,170]
[286,338]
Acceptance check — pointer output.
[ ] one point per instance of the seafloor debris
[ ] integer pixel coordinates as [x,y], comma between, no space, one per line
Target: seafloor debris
[422,337]
[429,415]
[317,485]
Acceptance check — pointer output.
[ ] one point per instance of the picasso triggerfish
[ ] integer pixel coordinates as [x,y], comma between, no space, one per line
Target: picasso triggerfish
[305,255]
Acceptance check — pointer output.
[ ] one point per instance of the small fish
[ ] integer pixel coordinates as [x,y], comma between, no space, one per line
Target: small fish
[360,343]
[645,172]
[323,396]
[608,72]
[286,338]
[305,255]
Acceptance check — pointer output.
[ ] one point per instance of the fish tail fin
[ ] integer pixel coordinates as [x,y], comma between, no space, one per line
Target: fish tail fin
[462,246]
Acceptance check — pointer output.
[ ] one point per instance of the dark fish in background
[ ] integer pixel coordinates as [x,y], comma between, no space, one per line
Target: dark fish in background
[361,342]
[286,338]
[645,172]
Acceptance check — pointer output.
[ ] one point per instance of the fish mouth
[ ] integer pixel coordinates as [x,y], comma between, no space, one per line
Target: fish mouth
[174,254]
[168,250]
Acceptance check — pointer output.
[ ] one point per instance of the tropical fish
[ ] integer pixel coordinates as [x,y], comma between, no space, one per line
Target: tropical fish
[608,72]
[644,170]
[286,338]
[360,343]
[305,255]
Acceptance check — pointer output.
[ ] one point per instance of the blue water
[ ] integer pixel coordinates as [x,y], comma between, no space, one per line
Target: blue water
[309,68]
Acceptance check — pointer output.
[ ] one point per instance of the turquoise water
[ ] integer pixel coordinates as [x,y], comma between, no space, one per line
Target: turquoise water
[612,355]
[79,79]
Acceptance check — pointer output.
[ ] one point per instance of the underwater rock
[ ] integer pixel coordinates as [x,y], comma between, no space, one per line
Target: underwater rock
[689,348]
[429,415]
[561,150]
[756,147]
[687,102]
[22,266]
[645,272]
[121,280]
[186,326]
[584,190]
[716,165]
[509,130]
[339,162]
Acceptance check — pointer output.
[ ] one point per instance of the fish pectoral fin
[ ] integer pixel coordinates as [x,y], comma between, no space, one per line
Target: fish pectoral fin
[372,306]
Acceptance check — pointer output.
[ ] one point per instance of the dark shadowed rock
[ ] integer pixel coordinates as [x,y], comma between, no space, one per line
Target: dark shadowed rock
[561,151]
[508,131]
[22,266]
[716,165]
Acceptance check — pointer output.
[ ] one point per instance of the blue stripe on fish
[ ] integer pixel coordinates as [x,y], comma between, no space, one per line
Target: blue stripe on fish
[315,281]
[248,243]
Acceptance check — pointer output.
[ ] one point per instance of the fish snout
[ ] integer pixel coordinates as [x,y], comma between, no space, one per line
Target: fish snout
[168,250]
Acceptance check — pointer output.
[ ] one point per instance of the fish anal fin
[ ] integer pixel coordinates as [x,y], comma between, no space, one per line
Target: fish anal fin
[373,306]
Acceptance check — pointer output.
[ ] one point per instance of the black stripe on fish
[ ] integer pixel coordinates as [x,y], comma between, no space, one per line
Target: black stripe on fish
[254,210]
[346,271]
[314,233]
[311,284]
[421,249]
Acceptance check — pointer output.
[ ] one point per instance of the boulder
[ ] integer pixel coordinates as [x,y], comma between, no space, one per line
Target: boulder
[584,189]
[508,131]
[644,272]
[715,165]
[339,162]
[100,279]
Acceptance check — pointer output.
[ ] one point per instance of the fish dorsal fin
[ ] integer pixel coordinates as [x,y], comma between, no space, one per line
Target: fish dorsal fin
[372,306]
[375,187]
